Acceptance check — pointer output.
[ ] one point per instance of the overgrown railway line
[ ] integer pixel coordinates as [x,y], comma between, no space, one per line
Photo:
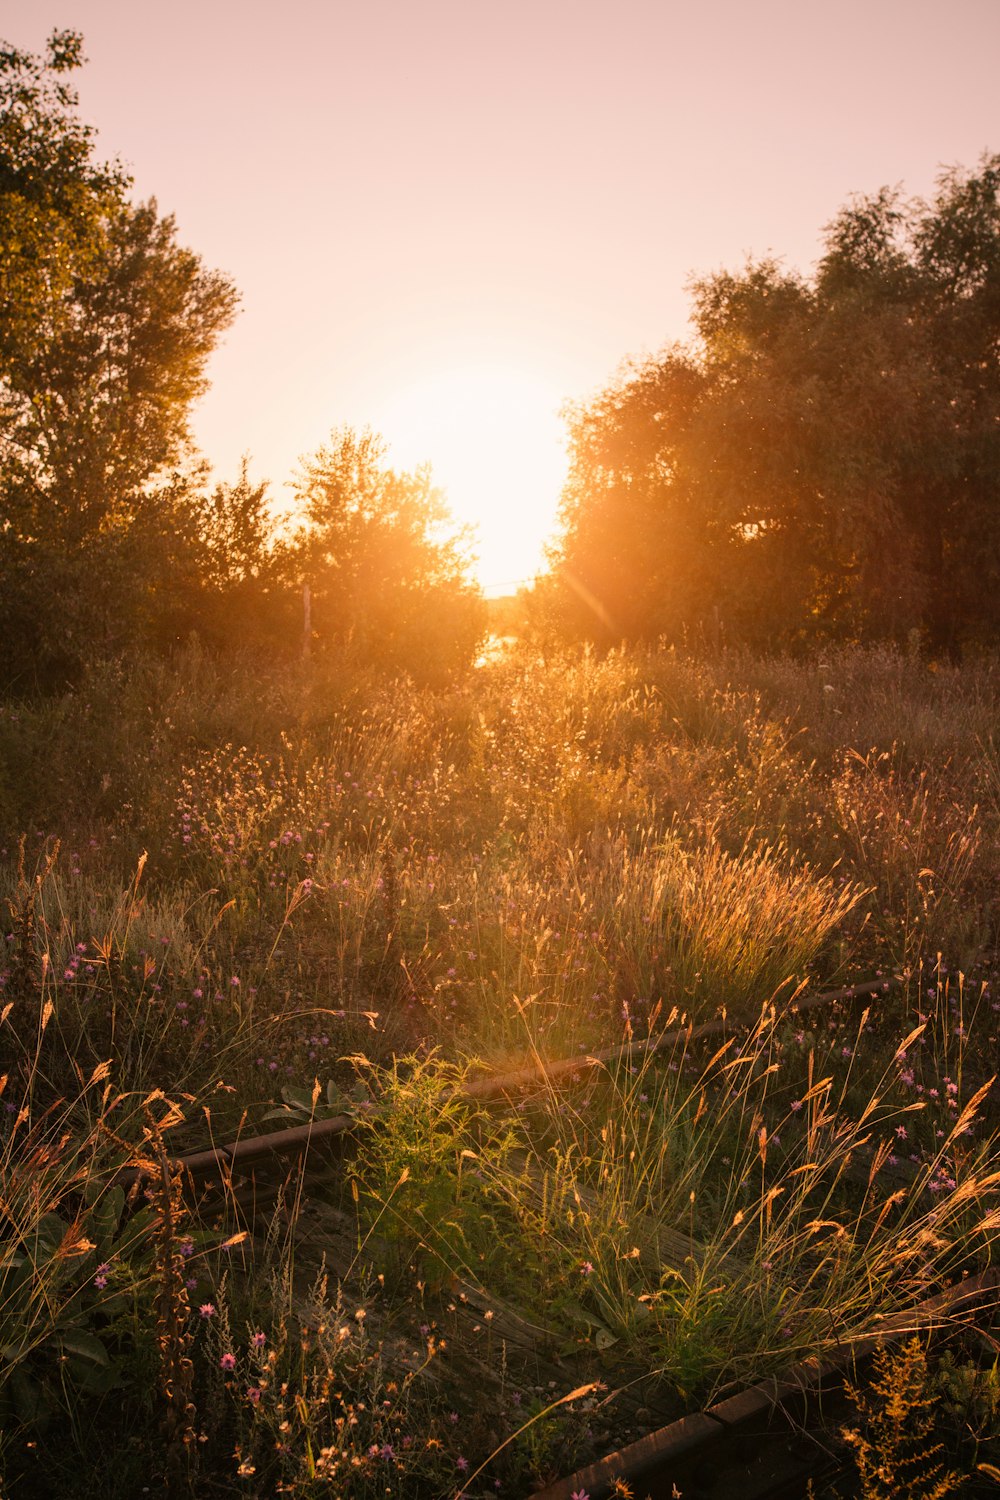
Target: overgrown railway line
[765,1442]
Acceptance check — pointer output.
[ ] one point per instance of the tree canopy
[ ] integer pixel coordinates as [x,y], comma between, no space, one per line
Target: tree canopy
[388,575]
[108,539]
[106,327]
[822,458]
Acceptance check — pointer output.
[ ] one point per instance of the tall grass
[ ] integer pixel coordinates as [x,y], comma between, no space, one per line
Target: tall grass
[282,882]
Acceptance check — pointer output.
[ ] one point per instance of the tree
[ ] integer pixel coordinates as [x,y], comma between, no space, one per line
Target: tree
[54,197]
[829,463]
[106,326]
[388,580]
[626,511]
[242,593]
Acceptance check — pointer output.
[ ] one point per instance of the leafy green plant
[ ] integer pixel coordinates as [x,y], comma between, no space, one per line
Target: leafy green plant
[300,1105]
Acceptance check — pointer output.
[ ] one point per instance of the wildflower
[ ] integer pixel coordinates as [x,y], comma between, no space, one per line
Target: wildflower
[101,1278]
[586,1268]
[253,1394]
[227,1362]
[207,1310]
[259,1340]
[580,1495]
[461,1464]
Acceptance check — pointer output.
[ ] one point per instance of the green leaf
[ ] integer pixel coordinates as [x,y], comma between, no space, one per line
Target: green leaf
[105,1216]
[298,1098]
[83,1345]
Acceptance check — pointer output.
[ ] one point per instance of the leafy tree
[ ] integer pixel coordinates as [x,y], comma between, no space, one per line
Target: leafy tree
[246,591]
[626,508]
[106,326]
[823,458]
[387,578]
[54,197]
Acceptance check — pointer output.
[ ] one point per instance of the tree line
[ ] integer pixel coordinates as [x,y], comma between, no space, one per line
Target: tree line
[111,541]
[821,460]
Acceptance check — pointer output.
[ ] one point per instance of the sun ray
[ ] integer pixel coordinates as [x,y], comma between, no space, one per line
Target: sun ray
[493,437]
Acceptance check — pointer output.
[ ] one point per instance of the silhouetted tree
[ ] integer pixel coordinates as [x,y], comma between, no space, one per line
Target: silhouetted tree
[824,458]
[389,579]
[106,325]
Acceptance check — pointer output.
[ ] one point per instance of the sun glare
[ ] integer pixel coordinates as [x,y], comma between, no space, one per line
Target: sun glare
[494,440]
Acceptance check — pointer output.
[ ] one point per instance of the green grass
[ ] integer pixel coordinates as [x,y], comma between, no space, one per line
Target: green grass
[275,882]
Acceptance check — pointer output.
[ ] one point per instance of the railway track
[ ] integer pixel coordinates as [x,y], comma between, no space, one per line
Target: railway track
[770,1440]
[764,1443]
[270,1149]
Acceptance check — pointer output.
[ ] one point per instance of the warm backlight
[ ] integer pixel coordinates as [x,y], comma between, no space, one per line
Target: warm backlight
[494,440]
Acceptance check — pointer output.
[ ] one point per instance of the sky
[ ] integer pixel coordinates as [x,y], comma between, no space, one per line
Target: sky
[447,218]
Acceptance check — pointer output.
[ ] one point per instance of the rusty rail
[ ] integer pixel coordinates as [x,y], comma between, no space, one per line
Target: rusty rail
[297,1140]
[720,1442]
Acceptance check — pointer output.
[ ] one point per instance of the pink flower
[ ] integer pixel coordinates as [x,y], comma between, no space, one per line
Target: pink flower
[227,1362]
[207,1310]
[586,1268]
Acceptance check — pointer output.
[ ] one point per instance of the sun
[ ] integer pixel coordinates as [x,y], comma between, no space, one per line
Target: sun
[494,440]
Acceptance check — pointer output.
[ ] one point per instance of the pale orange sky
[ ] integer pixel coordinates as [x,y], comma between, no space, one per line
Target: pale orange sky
[405,190]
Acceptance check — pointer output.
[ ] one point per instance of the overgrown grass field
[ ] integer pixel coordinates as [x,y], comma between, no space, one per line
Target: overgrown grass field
[235,898]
